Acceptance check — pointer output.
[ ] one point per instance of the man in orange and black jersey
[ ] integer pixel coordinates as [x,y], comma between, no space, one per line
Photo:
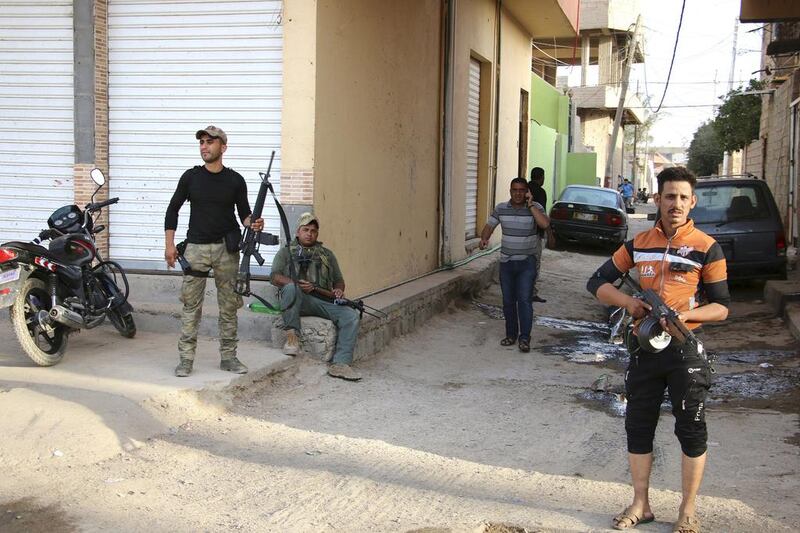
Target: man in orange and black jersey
[672,258]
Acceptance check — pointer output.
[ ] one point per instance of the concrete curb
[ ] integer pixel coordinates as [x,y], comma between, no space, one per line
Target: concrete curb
[778,293]
[409,305]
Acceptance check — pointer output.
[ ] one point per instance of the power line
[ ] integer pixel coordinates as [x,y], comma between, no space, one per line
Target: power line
[672,106]
[672,61]
[551,57]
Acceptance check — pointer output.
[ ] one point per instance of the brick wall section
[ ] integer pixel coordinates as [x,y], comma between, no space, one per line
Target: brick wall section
[752,159]
[297,187]
[775,132]
[101,84]
[84,186]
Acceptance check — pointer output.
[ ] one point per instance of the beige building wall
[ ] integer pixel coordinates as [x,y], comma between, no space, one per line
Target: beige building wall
[775,136]
[515,64]
[753,160]
[476,38]
[476,29]
[596,128]
[299,97]
[376,142]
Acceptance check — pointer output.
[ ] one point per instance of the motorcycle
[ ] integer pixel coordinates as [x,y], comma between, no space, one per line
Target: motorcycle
[55,291]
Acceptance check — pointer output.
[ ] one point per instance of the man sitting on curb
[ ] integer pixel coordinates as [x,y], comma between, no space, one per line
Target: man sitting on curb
[319,282]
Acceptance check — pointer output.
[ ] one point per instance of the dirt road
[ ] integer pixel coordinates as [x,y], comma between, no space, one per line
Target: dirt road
[447,432]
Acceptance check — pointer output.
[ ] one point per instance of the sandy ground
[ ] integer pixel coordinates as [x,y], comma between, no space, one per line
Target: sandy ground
[447,432]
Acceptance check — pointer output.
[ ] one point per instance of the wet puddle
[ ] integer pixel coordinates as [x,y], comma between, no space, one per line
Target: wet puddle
[755,385]
[762,389]
[754,357]
[582,341]
[612,403]
[767,384]
[27,515]
[585,342]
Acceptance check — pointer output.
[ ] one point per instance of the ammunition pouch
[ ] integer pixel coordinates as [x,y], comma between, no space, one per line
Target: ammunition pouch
[232,240]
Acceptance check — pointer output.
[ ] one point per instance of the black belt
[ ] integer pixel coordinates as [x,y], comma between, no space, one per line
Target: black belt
[218,241]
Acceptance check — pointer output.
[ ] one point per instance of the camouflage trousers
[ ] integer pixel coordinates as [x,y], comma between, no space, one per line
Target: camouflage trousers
[225,265]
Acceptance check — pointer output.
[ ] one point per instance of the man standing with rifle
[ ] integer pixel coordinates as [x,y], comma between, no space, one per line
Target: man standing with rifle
[672,259]
[212,243]
[319,283]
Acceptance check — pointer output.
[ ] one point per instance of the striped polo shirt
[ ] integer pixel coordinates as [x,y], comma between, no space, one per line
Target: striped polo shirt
[519,230]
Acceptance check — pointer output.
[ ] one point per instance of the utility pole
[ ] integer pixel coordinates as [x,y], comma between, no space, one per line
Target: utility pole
[726,158]
[635,161]
[626,71]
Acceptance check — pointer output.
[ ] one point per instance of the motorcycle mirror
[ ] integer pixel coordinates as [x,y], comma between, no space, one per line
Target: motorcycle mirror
[98,177]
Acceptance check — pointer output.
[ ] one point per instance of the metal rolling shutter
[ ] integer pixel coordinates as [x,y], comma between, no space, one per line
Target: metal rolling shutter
[36,112]
[473,131]
[175,67]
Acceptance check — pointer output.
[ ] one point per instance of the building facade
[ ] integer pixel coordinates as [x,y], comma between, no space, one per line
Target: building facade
[774,155]
[394,121]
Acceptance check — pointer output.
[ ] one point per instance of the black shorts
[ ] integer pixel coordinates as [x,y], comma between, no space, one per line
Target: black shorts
[686,377]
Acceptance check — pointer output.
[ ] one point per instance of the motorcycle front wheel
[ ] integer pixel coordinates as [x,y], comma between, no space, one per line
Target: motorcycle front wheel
[44,346]
[123,322]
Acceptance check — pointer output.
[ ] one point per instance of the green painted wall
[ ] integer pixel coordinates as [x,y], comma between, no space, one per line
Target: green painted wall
[581,168]
[544,103]
[549,139]
[548,106]
[541,153]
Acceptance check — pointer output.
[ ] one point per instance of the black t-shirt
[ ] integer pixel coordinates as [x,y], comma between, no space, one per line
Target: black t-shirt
[212,197]
[540,196]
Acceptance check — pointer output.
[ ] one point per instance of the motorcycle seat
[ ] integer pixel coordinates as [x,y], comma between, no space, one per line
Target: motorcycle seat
[62,252]
[30,247]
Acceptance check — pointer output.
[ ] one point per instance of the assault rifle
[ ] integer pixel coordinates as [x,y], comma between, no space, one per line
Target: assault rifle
[651,335]
[252,240]
[358,305]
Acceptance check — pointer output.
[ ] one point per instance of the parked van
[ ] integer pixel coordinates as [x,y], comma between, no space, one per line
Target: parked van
[741,214]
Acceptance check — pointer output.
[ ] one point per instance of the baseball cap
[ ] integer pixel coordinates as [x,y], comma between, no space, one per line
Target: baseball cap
[307,218]
[212,131]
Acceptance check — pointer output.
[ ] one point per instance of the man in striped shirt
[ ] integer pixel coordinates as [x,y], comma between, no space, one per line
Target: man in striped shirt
[519,219]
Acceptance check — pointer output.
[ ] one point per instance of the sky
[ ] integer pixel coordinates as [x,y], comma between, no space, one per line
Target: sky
[702,63]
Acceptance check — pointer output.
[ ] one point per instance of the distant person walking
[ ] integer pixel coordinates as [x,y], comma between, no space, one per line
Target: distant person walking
[539,195]
[519,218]
[627,193]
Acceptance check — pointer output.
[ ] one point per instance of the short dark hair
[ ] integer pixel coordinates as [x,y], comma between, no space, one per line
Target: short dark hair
[518,180]
[537,173]
[675,174]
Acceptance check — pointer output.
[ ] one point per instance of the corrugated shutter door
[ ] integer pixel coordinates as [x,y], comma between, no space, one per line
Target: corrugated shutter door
[36,113]
[175,67]
[473,131]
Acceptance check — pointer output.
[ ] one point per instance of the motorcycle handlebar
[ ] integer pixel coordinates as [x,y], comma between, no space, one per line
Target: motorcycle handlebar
[100,205]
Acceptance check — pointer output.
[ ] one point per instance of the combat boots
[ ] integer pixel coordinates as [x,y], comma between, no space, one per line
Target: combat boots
[342,371]
[184,368]
[233,365]
[292,345]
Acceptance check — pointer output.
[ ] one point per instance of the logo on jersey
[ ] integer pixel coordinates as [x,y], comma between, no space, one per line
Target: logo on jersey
[647,271]
[679,278]
[684,250]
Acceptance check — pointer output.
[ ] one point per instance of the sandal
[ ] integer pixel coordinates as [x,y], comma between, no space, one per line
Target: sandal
[508,341]
[628,520]
[687,524]
[524,346]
